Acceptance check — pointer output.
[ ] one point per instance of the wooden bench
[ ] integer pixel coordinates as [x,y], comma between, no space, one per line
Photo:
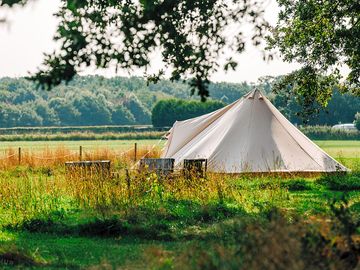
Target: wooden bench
[162,166]
[195,168]
[91,168]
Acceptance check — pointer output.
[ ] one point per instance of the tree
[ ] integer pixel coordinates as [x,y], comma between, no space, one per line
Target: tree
[323,36]
[9,115]
[28,117]
[166,112]
[357,120]
[49,116]
[67,113]
[190,35]
[122,116]
[340,109]
[93,110]
[141,114]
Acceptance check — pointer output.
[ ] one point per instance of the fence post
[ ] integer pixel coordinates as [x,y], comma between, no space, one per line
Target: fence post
[80,154]
[128,182]
[19,155]
[135,152]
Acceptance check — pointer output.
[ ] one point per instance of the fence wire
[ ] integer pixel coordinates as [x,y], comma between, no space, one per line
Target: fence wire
[3,158]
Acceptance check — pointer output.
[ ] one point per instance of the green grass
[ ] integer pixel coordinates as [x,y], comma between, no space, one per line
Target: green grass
[74,145]
[341,149]
[69,252]
[63,224]
[346,149]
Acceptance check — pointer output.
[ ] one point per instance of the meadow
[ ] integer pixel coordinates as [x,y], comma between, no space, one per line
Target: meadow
[50,219]
[336,148]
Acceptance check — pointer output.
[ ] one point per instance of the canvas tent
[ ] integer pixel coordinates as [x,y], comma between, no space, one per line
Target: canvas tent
[249,135]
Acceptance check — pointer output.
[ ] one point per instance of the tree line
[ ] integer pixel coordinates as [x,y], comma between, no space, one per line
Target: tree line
[95,100]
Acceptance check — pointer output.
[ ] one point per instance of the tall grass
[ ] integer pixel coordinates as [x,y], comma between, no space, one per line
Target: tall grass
[55,157]
[232,219]
[41,190]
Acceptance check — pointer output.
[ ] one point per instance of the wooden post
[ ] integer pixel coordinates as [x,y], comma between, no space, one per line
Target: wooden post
[128,182]
[80,154]
[135,152]
[19,155]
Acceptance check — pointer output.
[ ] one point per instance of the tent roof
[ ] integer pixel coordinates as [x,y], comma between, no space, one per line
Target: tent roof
[248,135]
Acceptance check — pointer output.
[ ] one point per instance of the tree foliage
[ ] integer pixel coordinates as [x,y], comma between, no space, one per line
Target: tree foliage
[95,100]
[323,36]
[190,35]
[166,112]
[341,108]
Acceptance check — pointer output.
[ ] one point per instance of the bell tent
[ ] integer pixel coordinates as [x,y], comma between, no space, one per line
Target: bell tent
[249,135]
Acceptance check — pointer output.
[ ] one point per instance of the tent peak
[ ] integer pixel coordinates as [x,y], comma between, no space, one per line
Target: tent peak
[256,93]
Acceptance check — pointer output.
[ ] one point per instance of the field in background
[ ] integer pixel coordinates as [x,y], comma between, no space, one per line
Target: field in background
[334,148]
[115,145]
[338,149]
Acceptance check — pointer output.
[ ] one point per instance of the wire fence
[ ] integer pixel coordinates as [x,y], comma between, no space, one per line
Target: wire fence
[7,157]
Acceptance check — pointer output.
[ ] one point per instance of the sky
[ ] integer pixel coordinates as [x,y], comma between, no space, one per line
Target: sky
[29,34]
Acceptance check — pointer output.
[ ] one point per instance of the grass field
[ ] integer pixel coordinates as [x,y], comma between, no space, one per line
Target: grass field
[50,220]
[335,148]
[38,146]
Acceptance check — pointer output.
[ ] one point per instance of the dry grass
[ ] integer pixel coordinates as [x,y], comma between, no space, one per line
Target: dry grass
[55,157]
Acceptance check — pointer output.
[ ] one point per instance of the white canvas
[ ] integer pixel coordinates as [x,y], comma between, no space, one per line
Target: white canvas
[249,135]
